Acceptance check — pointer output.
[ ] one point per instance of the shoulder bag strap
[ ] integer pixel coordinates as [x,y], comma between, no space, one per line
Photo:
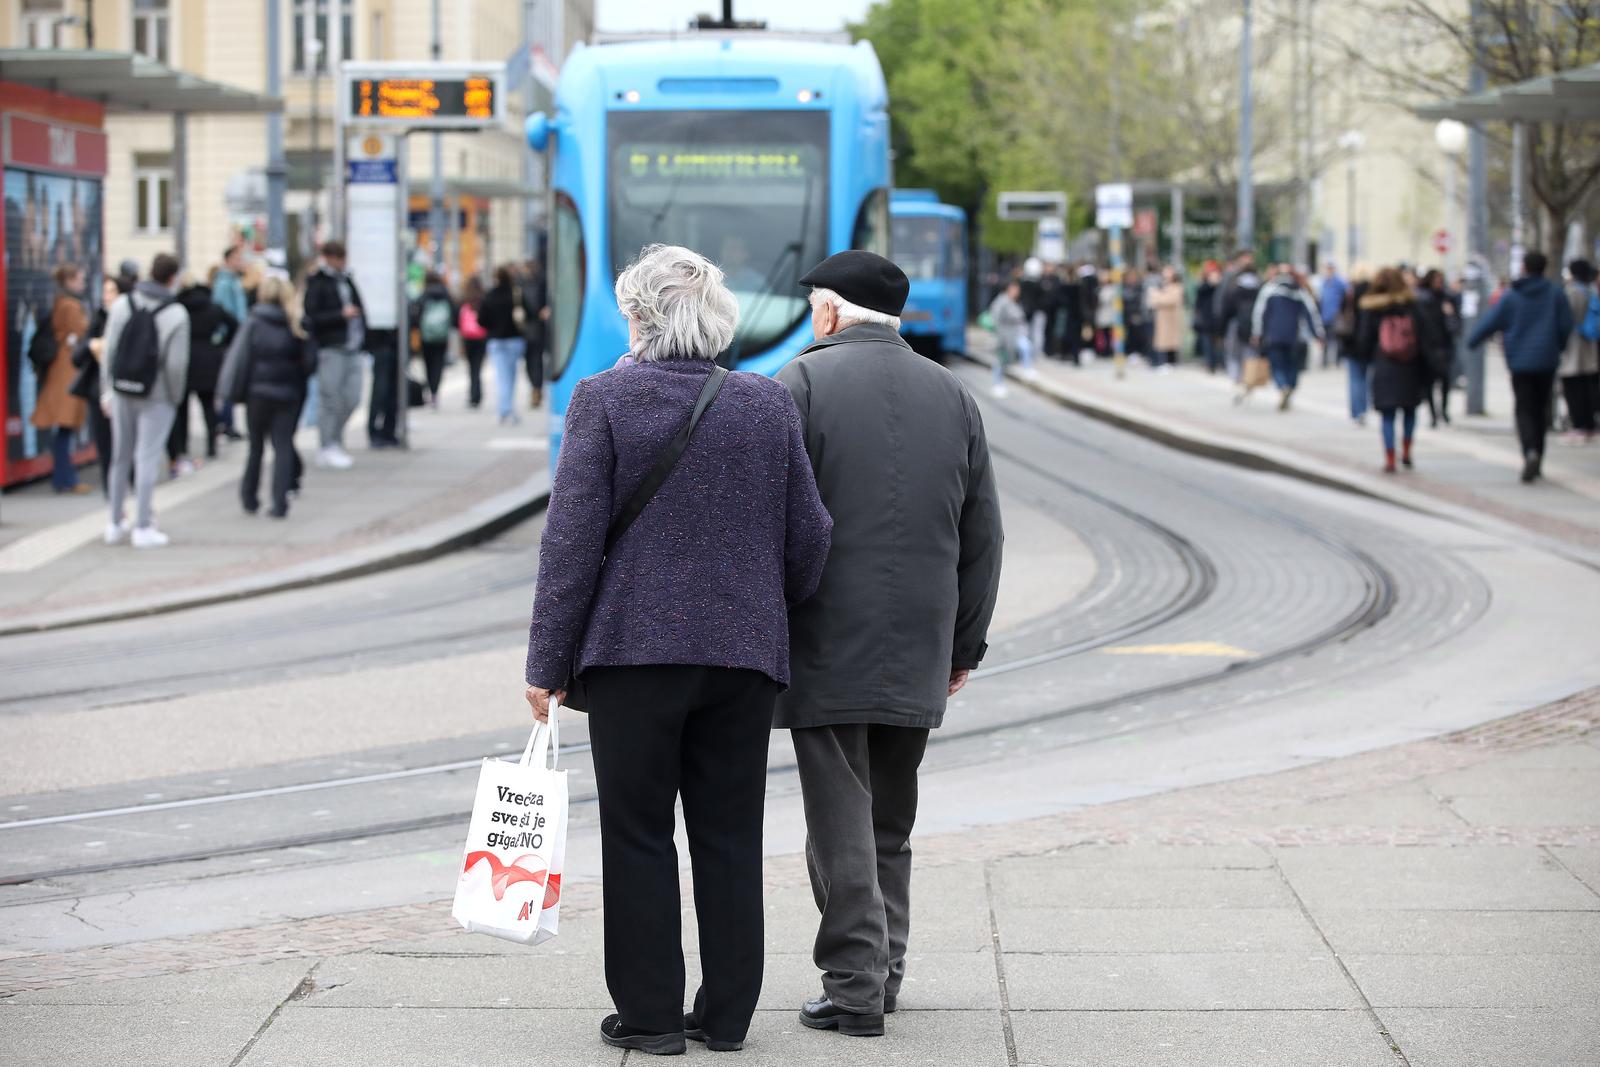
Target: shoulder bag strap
[665,462]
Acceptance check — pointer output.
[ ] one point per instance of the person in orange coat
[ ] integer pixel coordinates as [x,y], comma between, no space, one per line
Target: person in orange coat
[57,409]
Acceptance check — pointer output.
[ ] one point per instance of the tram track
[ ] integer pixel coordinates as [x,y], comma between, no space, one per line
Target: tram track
[1378,597]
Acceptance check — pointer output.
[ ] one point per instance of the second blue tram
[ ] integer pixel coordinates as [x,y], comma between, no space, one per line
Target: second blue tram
[765,155]
[930,244]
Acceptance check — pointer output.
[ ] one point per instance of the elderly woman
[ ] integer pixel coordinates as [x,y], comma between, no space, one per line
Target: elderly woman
[677,635]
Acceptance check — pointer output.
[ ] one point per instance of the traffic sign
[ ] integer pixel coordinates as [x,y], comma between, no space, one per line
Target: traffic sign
[1441,242]
[1113,205]
[1031,207]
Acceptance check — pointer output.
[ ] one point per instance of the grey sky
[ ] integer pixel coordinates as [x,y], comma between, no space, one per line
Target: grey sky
[621,15]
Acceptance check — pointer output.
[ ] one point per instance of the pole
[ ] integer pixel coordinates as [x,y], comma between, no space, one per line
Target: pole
[277,168]
[313,56]
[402,332]
[1176,209]
[336,69]
[436,195]
[1518,150]
[1302,90]
[1352,244]
[180,186]
[88,25]
[1474,287]
[1454,235]
[1244,234]
[1119,350]
[530,162]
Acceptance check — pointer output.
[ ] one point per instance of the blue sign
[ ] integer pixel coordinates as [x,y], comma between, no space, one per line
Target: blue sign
[371,172]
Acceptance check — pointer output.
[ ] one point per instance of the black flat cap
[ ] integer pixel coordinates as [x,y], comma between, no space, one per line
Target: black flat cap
[865,279]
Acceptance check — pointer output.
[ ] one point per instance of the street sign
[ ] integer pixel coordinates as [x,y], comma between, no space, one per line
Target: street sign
[1441,242]
[1113,205]
[372,177]
[1031,207]
[1050,240]
[425,96]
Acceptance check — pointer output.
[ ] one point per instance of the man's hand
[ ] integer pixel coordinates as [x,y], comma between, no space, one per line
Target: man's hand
[351,311]
[958,679]
[539,701]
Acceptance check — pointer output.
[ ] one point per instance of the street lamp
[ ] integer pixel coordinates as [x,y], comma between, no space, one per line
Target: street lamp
[1350,142]
[1451,137]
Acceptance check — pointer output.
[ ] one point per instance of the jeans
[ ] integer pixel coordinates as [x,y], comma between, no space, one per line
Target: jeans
[1533,409]
[63,472]
[1020,350]
[1285,365]
[1360,390]
[139,429]
[505,353]
[338,392]
[274,419]
[1410,425]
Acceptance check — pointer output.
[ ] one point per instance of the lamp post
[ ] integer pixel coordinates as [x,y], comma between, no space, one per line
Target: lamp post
[1245,229]
[1451,137]
[1350,143]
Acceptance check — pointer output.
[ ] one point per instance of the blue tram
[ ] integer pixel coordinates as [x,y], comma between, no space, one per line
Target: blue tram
[764,154]
[930,244]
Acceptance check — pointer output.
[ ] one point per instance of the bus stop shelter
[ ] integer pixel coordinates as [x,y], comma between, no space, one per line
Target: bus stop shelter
[1568,96]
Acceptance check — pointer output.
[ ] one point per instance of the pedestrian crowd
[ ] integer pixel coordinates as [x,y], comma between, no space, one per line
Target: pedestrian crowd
[1398,331]
[260,356]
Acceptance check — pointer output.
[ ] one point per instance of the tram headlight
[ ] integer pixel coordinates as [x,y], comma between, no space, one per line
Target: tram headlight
[631,96]
[804,96]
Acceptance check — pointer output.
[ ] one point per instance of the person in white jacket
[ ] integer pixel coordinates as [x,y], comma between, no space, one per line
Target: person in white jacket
[140,424]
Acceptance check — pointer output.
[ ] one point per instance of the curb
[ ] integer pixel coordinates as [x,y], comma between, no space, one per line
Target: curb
[478,523]
[1271,460]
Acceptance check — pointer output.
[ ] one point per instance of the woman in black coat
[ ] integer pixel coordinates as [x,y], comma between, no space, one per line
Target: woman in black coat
[1393,338]
[211,330]
[1437,308]
[267,368]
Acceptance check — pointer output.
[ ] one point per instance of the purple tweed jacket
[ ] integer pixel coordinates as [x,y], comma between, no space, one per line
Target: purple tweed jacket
[705,575]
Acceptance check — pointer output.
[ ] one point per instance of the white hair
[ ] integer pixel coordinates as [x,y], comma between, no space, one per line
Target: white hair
[850,314]
[678,305]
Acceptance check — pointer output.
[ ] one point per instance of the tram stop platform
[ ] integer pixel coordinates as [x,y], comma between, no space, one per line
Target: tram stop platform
[1467,470]
[463,479]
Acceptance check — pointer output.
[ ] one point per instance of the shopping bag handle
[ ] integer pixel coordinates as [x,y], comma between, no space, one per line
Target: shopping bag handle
[545,741]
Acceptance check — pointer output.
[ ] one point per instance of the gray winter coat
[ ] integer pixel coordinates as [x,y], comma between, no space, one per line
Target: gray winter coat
[906,596]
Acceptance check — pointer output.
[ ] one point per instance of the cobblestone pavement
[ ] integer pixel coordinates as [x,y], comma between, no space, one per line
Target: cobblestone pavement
[1432,903]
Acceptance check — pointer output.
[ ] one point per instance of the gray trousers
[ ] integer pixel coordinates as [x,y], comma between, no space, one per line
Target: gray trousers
[859,783]
[338,392]
[139,429]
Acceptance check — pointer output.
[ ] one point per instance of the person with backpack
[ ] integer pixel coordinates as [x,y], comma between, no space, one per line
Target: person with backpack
[1283,309]
[1391,340]
[474,338]
[147,373]
[1535,318]
[57,411]
[432,315]
[266,370]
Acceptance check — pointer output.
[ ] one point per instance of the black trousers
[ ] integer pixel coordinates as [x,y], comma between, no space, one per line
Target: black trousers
[178,439]
[1583,400]
[383,408]
[702,733]
[859,783]
[100,429]
[533,360]
[1532,392]
[433,365]
[274,419]
[474,351]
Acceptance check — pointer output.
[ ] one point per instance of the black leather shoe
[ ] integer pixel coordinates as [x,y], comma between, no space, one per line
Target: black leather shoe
[821,1014]
[615,1034]
[692,1031]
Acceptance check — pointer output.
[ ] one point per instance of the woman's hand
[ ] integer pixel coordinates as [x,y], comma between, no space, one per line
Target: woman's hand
[539,701]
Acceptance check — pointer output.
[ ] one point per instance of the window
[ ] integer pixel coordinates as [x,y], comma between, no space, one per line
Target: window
[872,224]
[152,29]
[956,248]
[567,265]
[42,23]
[749,189]
[302,8]
[919,246]
[152,197]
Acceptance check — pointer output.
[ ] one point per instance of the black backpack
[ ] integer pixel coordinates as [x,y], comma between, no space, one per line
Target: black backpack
[42,346]
[137,361]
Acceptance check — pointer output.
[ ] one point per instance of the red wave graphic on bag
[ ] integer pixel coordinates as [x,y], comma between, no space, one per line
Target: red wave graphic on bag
[503,876]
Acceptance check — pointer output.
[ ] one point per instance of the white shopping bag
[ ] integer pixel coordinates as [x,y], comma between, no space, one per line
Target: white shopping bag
[510,883]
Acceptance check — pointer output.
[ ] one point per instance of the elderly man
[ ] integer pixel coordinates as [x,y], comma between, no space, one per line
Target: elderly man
[899,621]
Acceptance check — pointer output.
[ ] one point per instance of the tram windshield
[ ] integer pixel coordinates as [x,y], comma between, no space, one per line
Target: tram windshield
[747,189]
[918,245]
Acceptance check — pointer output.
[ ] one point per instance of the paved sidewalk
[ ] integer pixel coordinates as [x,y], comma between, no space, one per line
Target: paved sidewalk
[1471,466]
[463,478]
[1432,904]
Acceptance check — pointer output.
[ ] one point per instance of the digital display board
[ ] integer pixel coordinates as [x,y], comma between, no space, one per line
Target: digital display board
[673,161]
[459,101]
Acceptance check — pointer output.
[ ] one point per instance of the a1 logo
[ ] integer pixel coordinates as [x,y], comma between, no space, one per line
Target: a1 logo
[526,912]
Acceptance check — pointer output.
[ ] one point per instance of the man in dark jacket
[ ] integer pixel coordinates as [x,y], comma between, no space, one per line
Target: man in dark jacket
[1535,319]
[899,621]
[337,321]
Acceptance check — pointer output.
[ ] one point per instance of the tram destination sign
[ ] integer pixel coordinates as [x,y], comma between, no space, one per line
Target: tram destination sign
[434,96]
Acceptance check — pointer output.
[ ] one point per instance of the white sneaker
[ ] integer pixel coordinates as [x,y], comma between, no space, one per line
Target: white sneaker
[1030,374]
[335,458]
[117,532]
[149,537]
[999,391]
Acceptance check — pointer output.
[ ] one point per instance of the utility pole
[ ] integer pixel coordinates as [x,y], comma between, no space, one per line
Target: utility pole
[436,196]
[1475,287]
[88,25]
[1244,232]
[1302,177]
[336,44]
[312,51]
[277,169]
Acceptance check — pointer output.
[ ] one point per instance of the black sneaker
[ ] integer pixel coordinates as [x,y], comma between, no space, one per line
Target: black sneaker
[615,1034]
[1530,468]
[822,1014]
[692,1031]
